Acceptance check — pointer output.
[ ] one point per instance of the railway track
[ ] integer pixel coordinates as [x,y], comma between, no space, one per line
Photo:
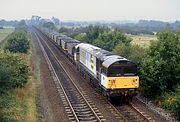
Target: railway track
[78,105]
[133,114]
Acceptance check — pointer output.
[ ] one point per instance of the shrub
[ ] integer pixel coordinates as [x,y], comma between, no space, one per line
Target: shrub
[18,42]
[13,71]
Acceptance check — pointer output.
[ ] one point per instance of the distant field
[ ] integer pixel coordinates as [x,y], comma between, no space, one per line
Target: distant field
[143,40]
[5,32]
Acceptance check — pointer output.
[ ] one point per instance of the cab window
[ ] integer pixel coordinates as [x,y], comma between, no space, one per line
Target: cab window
[114,71]
[122,69]
[129,70]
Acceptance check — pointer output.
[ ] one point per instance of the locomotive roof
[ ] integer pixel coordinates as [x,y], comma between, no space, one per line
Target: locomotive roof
[107,57]
[112,59]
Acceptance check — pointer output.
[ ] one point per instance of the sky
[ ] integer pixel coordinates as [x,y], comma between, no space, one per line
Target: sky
[90,10]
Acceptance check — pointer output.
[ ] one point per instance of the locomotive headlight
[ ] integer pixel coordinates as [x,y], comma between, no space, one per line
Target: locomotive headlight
[112,83]
[112,80]
[135,81]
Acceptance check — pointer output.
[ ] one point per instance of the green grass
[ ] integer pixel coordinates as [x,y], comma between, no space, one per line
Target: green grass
[5,32]
[143,40]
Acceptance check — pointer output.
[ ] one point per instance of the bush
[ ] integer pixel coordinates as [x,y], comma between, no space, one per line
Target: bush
[171,101]
[13,71]
[18,42]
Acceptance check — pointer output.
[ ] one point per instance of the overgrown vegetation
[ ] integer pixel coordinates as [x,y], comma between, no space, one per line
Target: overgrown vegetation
[17,83]
[12,109]
[171,101]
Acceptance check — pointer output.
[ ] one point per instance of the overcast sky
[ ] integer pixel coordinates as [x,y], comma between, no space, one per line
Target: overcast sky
[166,10]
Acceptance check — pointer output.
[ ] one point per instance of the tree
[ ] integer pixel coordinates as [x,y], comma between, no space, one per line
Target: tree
[56,21]
[109,39]
[160,69]
[86,34]
[93,33]
[22,24]
[81,37]
[131,52]
[63,29]
[49,25]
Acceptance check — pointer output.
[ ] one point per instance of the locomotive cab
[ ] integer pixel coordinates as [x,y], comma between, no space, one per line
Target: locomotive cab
[119,76]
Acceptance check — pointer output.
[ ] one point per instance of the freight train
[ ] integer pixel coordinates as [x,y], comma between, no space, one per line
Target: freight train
[113,75]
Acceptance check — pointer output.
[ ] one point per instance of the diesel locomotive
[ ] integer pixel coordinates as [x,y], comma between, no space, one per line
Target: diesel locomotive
[113,75]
